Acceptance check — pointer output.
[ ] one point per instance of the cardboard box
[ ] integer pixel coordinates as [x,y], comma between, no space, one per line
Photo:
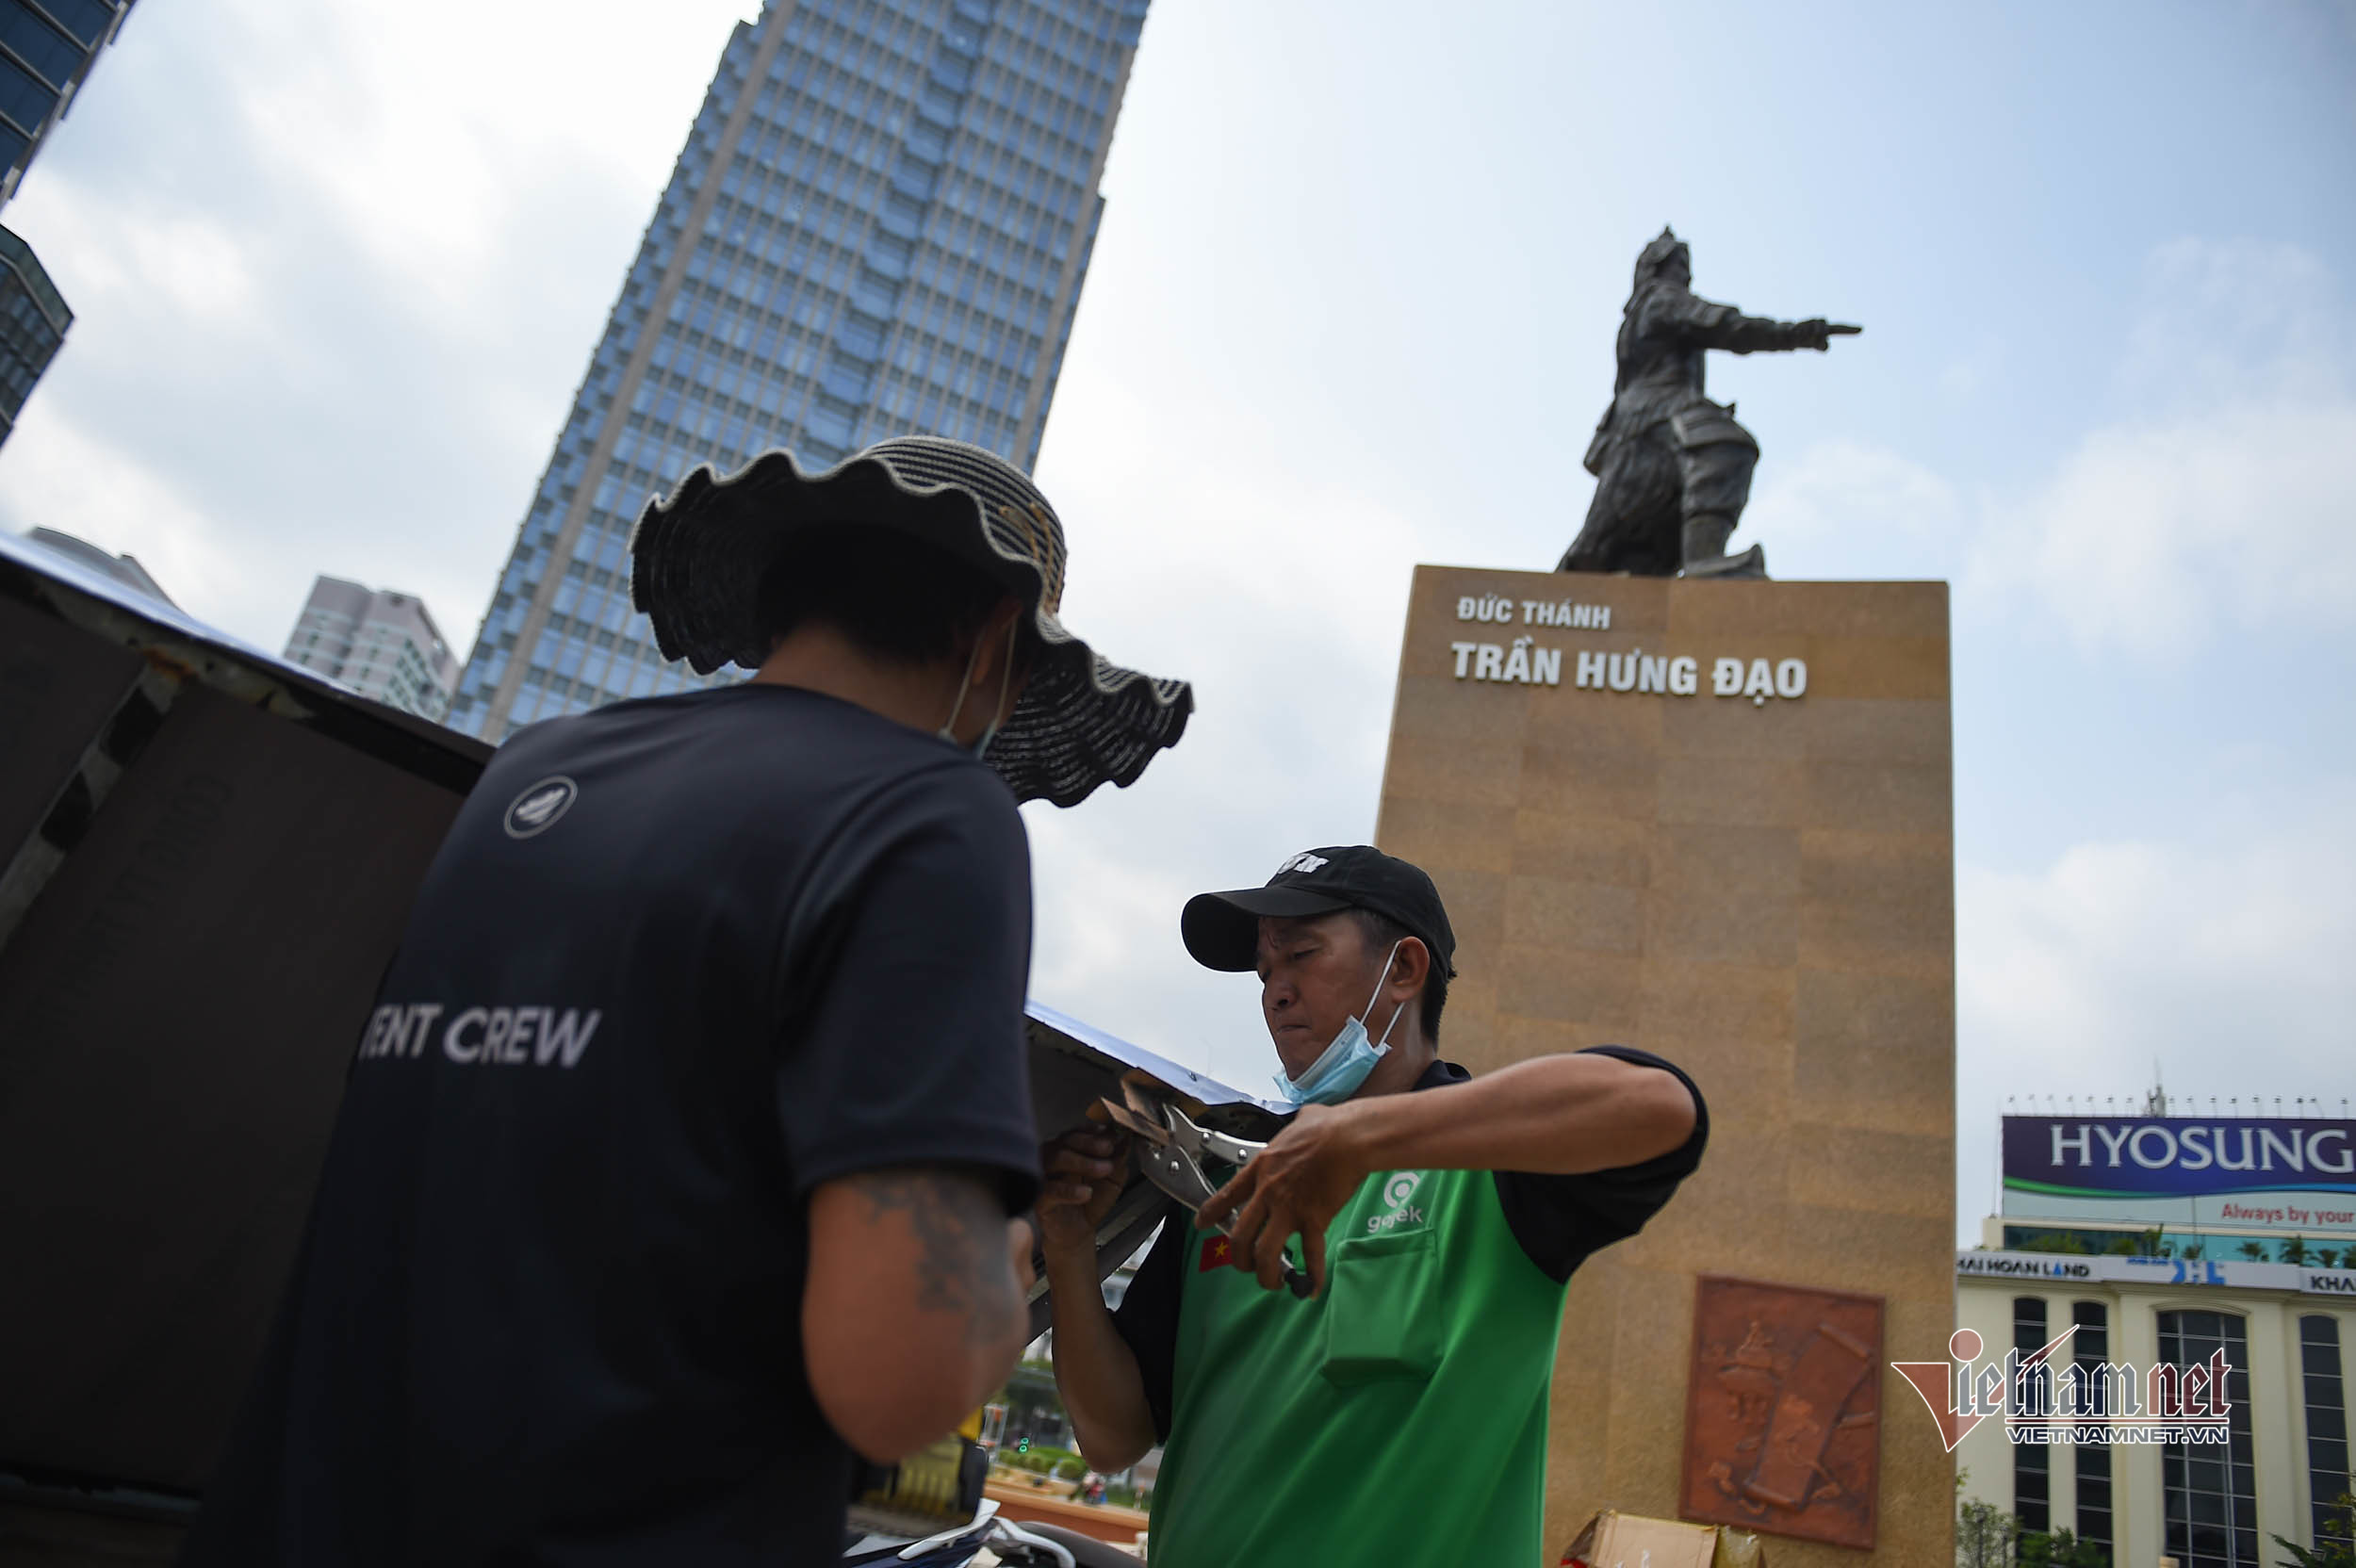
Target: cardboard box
[1615,1539]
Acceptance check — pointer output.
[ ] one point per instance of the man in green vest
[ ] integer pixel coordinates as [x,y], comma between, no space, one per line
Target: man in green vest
[1399,1416]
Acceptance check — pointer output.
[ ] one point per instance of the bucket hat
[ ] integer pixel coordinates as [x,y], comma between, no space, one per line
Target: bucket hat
[697,558]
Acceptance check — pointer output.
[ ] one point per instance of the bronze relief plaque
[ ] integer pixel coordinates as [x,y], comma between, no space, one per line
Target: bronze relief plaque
[1783,1411]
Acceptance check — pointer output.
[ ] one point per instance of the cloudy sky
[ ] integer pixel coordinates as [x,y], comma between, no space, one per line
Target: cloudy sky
[1352,309]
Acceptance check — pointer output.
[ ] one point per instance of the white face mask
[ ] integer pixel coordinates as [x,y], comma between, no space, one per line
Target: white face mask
[1343,1065]
[948,730]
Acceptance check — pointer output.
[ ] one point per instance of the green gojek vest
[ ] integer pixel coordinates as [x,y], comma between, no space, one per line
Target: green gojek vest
[1400,1418]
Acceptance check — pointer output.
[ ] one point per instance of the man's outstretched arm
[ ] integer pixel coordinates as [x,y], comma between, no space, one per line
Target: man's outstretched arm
[1560,1115]
[1568,1115]
[913,1311]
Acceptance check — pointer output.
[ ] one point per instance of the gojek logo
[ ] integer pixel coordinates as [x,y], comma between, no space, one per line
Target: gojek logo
[2048,1399]
[1397,1210]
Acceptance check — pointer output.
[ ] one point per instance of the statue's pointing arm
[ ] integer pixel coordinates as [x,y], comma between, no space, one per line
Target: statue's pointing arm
[1715,326]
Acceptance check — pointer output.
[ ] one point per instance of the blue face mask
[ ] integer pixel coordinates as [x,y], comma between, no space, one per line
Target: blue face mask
[1343,1065]
[948,731]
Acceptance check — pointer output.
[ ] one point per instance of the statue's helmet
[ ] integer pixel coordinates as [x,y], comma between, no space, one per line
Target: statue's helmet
[1657,256]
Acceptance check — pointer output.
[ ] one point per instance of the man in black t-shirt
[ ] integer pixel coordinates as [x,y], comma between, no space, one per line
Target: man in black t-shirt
[678,1155]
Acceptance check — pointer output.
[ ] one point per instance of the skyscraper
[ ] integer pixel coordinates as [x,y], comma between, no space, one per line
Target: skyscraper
[33,323]
[880,223]
[381,644]
[46,50]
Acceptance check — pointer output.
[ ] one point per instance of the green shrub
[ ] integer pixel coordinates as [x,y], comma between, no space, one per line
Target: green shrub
[1045,1461]
[2334,1551]
[2059,1241]
[2060,1549]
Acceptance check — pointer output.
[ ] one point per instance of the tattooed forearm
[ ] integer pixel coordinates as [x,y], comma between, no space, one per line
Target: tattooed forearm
[962,1264]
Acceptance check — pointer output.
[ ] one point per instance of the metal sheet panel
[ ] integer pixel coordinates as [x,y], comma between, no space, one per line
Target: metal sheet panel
[57,687]
[178,1009]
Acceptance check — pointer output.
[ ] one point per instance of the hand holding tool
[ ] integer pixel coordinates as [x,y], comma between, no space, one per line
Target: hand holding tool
[1171,1147]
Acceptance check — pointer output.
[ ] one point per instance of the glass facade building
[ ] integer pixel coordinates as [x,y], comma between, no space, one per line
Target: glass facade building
[880,223]
[46,49]
[2212,1496]
[2089,1348]
[2031,1465]
[33,322]
[2323,1393]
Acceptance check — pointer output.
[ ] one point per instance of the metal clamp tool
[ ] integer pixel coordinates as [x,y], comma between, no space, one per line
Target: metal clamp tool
[1171,1147]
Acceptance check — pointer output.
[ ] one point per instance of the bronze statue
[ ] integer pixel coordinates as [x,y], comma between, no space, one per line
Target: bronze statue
[1673,469]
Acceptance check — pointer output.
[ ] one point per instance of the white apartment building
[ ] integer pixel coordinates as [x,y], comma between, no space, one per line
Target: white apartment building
[381,644]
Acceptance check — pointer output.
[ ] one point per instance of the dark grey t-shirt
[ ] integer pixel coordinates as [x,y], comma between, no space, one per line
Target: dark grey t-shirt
[679,962]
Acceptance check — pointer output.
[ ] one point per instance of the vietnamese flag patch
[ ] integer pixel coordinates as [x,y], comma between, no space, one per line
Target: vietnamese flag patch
[1217,1254]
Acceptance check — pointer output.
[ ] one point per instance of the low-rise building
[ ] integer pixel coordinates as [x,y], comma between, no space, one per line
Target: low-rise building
[2140,1249]
[2286,1332]
[124,569]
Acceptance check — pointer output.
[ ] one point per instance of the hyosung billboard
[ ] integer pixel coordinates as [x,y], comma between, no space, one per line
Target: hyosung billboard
[2260,1173]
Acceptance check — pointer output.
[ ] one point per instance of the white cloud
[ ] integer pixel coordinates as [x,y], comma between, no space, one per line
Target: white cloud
[66,478]
[1976,371]
[158,265]
[2117,951]
[433,130]
[1274,581]
[2216,501]
[2227,322]
[2155,538]
[2224,968]
[2221,503]
[335,283]
[1845,509]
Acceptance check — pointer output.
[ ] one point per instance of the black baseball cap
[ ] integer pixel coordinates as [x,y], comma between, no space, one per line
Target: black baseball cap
[1222,930]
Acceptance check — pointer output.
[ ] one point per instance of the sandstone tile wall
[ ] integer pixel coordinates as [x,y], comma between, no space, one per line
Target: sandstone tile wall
[1762,893]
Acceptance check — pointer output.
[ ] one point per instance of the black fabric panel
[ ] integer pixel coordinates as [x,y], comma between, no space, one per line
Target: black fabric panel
[1148,1318]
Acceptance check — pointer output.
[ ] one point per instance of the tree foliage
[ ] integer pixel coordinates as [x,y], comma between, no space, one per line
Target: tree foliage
[2059,1549]
[2336,1549]
[1983,1536]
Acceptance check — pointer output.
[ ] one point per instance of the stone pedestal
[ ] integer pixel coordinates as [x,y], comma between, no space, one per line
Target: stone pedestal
[1714,820]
